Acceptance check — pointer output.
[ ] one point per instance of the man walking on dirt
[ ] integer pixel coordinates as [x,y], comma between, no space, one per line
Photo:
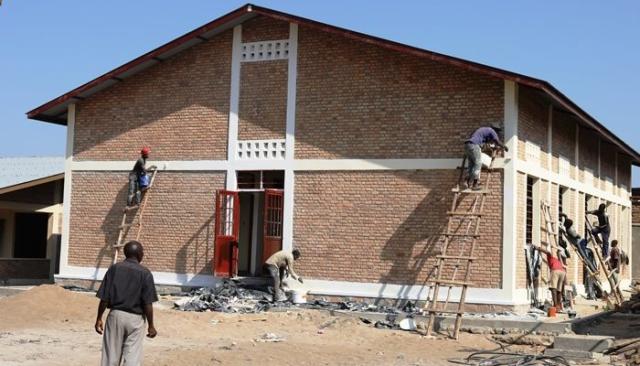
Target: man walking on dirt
[129,291]
[275,267]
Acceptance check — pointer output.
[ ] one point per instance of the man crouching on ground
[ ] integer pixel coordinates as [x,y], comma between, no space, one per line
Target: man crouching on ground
[129,291]
[276,265]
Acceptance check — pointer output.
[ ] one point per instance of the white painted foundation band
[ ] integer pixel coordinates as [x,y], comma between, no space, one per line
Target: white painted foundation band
[318,287]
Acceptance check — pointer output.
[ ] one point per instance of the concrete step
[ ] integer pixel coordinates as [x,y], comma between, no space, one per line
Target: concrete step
[587,343]
[578,355]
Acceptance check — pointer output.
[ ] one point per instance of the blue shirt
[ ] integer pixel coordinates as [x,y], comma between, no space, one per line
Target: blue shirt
[483,135]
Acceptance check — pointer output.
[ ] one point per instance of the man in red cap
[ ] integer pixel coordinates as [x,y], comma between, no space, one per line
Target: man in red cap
[136,175]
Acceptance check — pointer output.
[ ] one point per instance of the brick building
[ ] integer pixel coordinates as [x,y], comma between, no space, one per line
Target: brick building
[338,142]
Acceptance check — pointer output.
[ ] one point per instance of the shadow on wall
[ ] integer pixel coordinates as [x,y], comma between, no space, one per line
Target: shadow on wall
[109,229]
[200,245]
[410,249]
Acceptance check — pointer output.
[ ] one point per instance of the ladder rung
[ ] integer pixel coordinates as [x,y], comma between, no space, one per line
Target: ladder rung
[128,225]
[446,311]
[131,208]
[452,282]
[456,257]
[468,190]
[462,235]
[118,245]
[457,213]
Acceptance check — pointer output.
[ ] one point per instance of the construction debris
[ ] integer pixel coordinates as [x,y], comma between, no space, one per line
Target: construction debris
[270,337]
[226,297]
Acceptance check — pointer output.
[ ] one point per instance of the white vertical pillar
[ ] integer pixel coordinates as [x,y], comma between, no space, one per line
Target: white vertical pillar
[599,158]
[66,211]
[289,175]
[234,105]
[577,153]
[550,138]
[510,198]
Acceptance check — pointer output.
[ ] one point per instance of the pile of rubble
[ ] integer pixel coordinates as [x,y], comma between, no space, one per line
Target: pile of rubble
[229,297]
[226,297]
[633,304]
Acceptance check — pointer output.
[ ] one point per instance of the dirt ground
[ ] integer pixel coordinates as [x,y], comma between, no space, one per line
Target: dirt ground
[48,325]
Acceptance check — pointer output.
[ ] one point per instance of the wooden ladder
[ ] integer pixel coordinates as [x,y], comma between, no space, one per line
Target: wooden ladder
[462,227]
[552,231]
[615,289]
[124,227]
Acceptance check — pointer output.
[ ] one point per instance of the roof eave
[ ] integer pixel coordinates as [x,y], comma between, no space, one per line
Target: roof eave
[555,94]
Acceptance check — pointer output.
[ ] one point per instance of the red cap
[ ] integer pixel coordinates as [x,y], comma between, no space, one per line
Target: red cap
[145,150]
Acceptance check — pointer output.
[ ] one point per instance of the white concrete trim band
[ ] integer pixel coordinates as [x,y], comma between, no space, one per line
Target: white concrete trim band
[297,165]
[539,172]
[315,287]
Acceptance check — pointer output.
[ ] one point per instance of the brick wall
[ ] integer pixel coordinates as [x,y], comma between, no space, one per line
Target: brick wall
[383,226]
[179,107]
[607,161]
[356,100]
[533,125]
[263,28]
[40,194]
[263,100]
[588,153]
[563,139]
[178,220]
[31,268]
[635,211]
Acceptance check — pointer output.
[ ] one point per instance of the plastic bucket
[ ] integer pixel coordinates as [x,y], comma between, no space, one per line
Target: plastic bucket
[552,312]
[298,297]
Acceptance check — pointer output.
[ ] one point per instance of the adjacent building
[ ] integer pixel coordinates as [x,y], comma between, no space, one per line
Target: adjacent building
[274,131]
[30,218]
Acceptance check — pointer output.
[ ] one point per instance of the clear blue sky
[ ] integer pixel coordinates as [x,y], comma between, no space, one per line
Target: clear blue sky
[588,49]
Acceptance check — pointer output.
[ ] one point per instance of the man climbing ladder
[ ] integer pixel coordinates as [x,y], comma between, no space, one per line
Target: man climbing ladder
[460,237]
[141,180]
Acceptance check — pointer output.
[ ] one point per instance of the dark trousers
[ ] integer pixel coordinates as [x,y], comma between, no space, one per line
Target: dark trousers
[133,196]
[604,236]
[277,276]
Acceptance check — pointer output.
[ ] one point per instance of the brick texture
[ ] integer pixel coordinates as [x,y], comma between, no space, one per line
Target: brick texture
[563,139]
[533,117]
[263,100]
[263,28]
[383,226]
[179,107]
[12,269]
[356,100]
[607,161]
[178,222]
[588,154]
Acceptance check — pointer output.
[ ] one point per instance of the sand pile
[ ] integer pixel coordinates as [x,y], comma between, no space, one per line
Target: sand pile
[46,304]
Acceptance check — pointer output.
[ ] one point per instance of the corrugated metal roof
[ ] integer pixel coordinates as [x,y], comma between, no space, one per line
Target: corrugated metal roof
[18,170]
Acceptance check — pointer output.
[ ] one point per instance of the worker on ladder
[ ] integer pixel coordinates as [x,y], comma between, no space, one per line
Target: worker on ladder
[473,152]
[138,178]
[603,228]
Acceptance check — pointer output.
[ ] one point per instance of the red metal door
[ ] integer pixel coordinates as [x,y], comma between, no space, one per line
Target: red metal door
[225,255]
[273,206]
